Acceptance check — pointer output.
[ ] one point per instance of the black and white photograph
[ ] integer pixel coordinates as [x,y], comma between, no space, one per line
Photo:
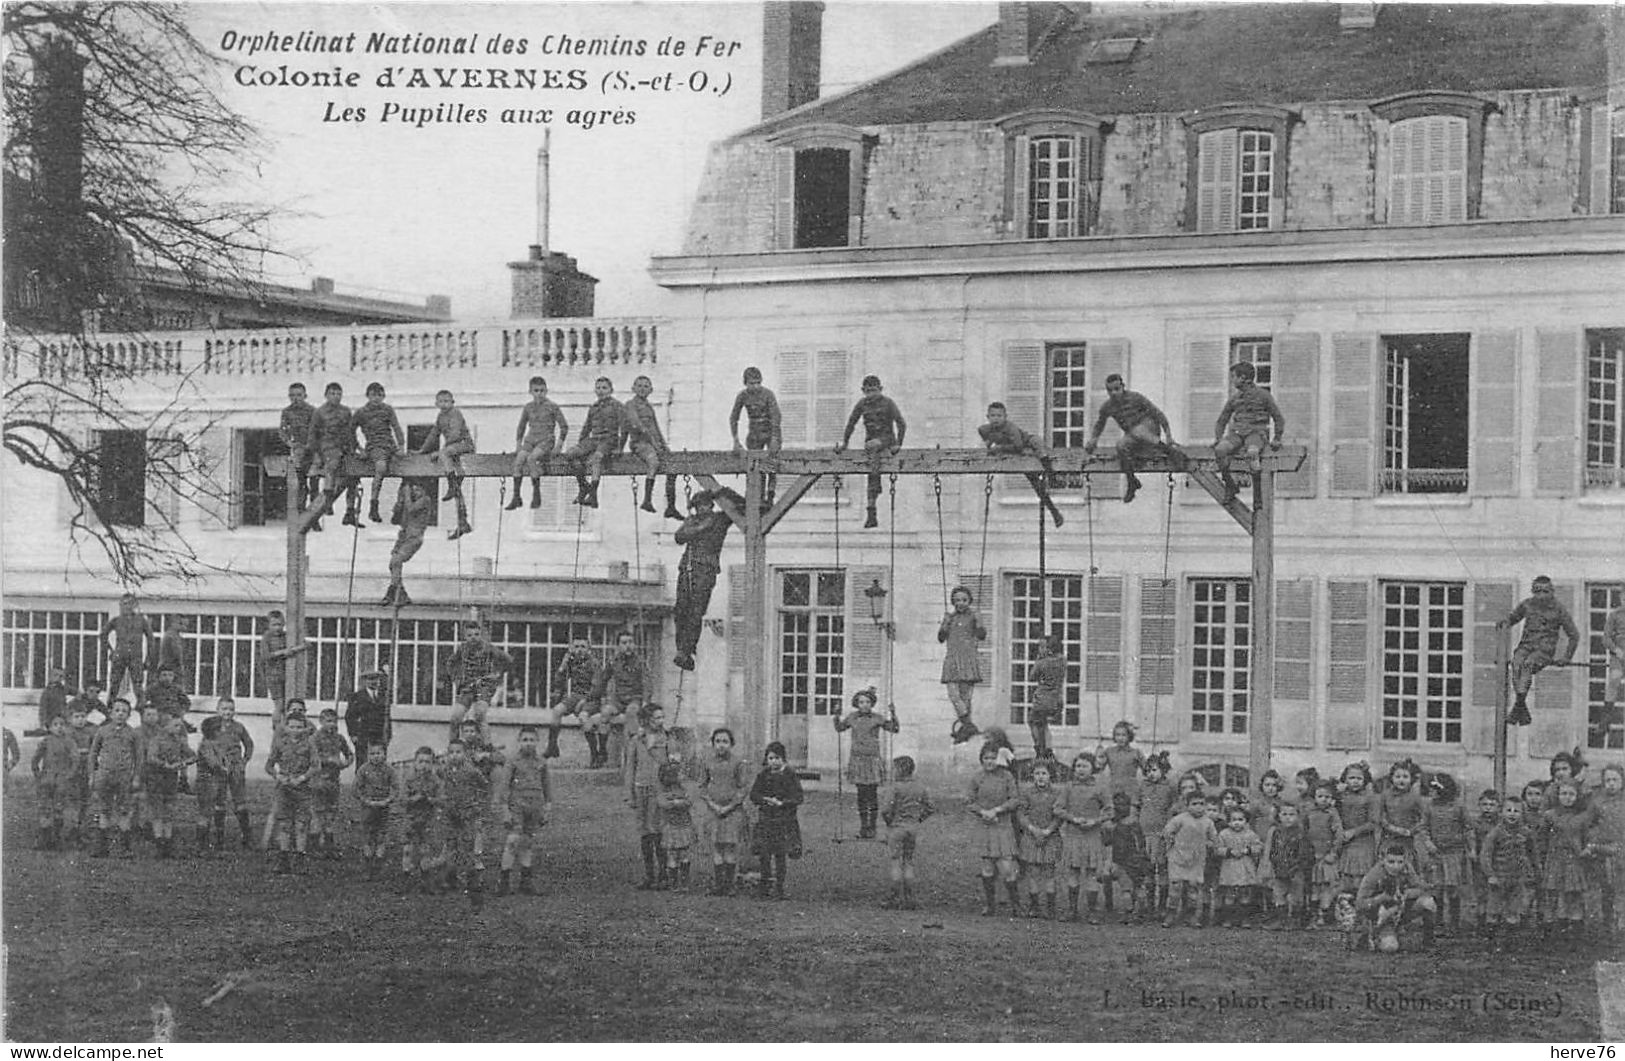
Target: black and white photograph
[804,522]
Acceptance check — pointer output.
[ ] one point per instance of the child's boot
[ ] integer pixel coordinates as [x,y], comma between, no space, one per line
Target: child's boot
[283,863]
[535,492]
[518,500]
[504,883]
[246,834]
[1032,906]
[1015,898]
[372,512]
[989,895]
[1107,892]
[648,495]
[590,500]
[1072,904]
[98,842]
[526,885]
[871,520]
[1093,917]
[1049,905]
[552,750]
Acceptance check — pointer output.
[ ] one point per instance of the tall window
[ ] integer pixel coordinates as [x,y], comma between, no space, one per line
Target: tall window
[1605,407]
[33,641]
[1256,151]
[1422,661]
[1424,438]
[1060,196]
[1058,609]
[1616,174]
[1427,176]
[812,642]
[120,479]
[823,196]
[1606,727]
[1221,654]
[1236,180]
[1068,395]
[264,496]
[1260,352]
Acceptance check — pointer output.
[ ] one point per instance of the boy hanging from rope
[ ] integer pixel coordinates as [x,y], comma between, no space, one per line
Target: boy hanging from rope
[415,515]
[1543,618]
[600,437]
[1249,413]
[381,432]
[701,536]
[883,430]
[542,427]
[1003,437]
[1143,424]
[761,407]
[448,440]
[640,431]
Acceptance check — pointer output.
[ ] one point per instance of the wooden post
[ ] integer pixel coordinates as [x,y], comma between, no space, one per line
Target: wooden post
[760,720]
[293,674]
[1503,639]
[1260,718]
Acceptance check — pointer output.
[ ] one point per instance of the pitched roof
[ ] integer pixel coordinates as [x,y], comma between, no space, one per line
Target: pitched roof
[1195,56]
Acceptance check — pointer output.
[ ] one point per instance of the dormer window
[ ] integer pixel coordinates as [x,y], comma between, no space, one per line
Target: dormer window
[1236,173]
[820,187]
[1434,157]
[1052,173]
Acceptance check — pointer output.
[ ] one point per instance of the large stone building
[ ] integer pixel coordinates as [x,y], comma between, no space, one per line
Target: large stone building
[1412,226]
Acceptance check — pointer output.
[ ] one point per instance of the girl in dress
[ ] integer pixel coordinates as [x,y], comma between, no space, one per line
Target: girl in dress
[1157,805]
[1565,766]
[1304,784]
[1037,842]
[724,781]
[1401,810]
[1359,809]
[961,629]
[1123,762]
[1323,828]
[1189,836]
[1271,789]
[1084,808]
[992,799]
[1567,885]
[1238,848]
[676,822]
[1450,853]
[864,767]
[1608,843]
[777,793]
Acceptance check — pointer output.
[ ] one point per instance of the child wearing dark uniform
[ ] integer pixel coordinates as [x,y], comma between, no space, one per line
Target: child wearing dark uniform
[1543,619]
[542,427]
[776,793]
[417,514]
[331,440]
[907,807]
[381,431]
[573,686]
[1392,893]
[623,685]
[333,756]
[1004,438]
[295,430]
[55,763]
[1287,862]
[883,431]
[421,797]
[117,756]
[763,428]
[1049,692]
[468,802]
[600,438]
[293,764]
[523,797]
[702,536]
[640,431]
[647,754]
[1144,428]
[213,787]
[127,637]
[864,766]
[448,440]
[376,789]
[1248,415]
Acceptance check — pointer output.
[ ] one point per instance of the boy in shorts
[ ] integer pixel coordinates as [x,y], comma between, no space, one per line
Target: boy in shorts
[600,437]
[293,764]
[883,432]
[55,764]
[1144,428]
[542,428]
[640,430]
[376,789]
[763,424]
[116,758]
[467,802]
[238,749]
[907,807]
[332,439]
[1248,415]
[295,430]
[574,683]
[421,796]
[416,514]
[448,440]
[1543,619]
[523,797]
[333,756]
[381,431]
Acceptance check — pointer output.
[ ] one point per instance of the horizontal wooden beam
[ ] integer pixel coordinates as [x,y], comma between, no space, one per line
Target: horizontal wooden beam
[825,462]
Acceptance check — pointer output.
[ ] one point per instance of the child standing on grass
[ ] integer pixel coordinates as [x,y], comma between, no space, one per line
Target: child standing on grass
[1084,808]
[523,796]
[1130,865]
[467,801]
[55,764]
[992,798]
[83,736]
[1608,846]
[1535,823]
[864,766]
[1359,810]
[1507,859]
[724,784]
[1567,885]
[1287,862]
[1238,848]
[1158,802]
[907,807]
[1448,852]
[542,427]
[647,753]
[293,764]
[1037,845]
[676,823]
[333,757]
[1322,827]
[1487,818]
[421,796]
[239,749]
[116,758]
[1402,809]
[777,793]
[213,786]
[960,631]
[1190,837]
[376,789]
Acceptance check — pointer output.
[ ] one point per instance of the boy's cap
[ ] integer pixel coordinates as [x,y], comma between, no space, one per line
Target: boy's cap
[368,675]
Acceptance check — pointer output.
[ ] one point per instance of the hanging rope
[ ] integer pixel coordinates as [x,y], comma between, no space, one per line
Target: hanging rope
[891,638]
[354,627]
[1167,547]
[1089,504]
[987,511]
[942,540]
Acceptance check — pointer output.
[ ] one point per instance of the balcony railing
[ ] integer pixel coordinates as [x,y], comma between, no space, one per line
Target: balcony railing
[1424,481]
[587,343]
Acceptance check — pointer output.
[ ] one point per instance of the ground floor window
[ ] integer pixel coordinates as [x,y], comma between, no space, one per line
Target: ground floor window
[812,642]
[34,641]
[1221,654]
[1605,728]
[1051,605]
[1422,661]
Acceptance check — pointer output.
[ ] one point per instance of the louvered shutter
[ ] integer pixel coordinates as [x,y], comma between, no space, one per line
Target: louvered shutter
[1348,712]
[1217,154]
[740,640]
[1492,601]
[1294,717]
[795,396]
[218,501]
[1106,357]
[784,202]
[831,398]
[1428,170]
[1103,643]
[1296,386]
[1557,413]
[1024,386]
[1020,174]
[1207,364]
[866,642]
[1159,600]
[1493,459]
[1596,171]
[1354,414]
[1400,178]
[983,604]
[1551,698]
[1452,144]
[550,514]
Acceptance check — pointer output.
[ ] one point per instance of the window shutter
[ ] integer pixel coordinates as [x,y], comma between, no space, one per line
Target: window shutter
[1557,413]
[1354,418]
[1348,712]
[1207,362]
[784,202]
[983,604]
[1294,713]
[1493,458]
[795,396]
[1431,196]
[1088,185]
[866,642]
[1106,357]
[739,639]
[1020,174]
[1492,601]
[1216,177]
[1296,387]
[1400,179]
[857,186]
[218,460]
[550,514]
[1103,643]
[1024,386]
[1455,169]
[831,397]
[1159,599]
[1551,697]
[1597,175]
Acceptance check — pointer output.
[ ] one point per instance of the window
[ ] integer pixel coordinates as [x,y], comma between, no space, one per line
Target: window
[1422,661]
[1606,729]
[1424,424]
[1052,173]
[1236,168]
[812,642]
[1260,353]
[264,497]
[120,477]
[1605,408]
[820,186]
[33,641]
[1221,654]
[1616,174]
[1069,419]
[1434,156]
[1037,609]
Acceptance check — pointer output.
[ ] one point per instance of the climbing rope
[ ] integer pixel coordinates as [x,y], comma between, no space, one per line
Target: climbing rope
[942,540]
[1167,547]
[987,512]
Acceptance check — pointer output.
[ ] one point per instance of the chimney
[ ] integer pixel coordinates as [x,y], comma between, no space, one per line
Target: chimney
[1356,16]
[1016,24]
[792,54]
[322,285]
[59,118]
[549,284]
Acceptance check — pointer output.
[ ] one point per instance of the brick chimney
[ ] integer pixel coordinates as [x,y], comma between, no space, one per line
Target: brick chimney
[1356,16]
[59,118]
[792,54]
[1024,27]
[548,284]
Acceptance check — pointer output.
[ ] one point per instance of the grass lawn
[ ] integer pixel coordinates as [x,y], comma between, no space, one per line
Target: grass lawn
[93,944]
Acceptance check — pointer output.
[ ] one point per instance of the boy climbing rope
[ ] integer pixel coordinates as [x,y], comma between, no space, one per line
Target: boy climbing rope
[701,536]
